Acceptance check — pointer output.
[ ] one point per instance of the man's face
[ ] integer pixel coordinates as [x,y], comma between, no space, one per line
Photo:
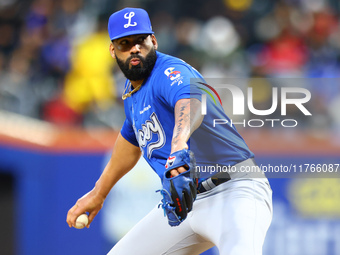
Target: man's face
[135,55]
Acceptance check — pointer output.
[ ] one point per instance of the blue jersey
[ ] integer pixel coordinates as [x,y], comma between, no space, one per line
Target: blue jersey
[150,118]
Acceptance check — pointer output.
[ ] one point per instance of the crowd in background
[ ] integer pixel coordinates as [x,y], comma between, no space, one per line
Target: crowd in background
[55,64]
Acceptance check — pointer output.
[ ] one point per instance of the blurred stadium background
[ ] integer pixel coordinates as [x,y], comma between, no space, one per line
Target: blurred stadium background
[61,109]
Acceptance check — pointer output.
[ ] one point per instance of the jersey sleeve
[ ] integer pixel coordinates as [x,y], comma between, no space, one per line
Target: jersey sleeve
[177,83]
[128,133]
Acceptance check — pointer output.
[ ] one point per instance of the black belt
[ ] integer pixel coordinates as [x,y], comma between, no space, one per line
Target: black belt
[222,177]
[211,182]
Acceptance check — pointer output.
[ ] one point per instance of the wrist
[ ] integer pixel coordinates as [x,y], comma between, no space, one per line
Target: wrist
[178,147]
[99,192]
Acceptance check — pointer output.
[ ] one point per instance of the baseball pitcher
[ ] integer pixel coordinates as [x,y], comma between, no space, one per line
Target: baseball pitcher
[201,205]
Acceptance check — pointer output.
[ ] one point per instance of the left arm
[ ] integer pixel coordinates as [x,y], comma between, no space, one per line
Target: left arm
[187,119]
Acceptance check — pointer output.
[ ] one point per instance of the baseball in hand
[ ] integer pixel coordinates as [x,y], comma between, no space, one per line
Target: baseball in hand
[82,221]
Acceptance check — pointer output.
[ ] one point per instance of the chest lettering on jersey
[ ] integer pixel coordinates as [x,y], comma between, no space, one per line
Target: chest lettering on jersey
[151,127]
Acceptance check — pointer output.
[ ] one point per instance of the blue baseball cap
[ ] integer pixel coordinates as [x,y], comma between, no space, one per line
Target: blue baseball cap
[129,21]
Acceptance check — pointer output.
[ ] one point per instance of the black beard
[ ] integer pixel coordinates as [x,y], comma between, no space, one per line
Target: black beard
[140,71]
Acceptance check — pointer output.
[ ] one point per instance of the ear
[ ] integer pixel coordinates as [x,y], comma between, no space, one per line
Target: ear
[154,41]
[112,50]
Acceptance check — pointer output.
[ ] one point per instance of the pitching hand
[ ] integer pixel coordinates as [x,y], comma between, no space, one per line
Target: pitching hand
[90,203]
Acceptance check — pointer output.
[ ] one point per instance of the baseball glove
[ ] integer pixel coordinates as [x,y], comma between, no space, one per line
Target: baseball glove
[179,192]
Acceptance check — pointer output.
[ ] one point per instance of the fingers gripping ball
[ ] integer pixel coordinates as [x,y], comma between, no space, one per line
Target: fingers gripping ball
[82,221]
[179,192]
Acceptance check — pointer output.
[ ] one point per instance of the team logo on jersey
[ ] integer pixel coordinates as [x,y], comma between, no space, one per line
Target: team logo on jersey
[174,76]
[170,162]
[150,128]
[129,16]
